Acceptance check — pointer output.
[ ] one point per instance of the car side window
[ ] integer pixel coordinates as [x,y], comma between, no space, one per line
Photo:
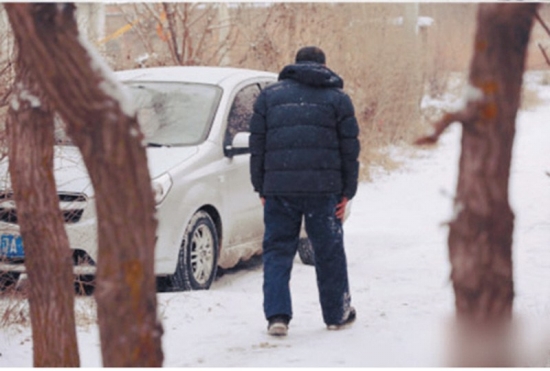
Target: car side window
[241,112]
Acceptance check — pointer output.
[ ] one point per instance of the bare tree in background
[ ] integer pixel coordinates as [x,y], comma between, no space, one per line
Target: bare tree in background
[6,81]
[109,139]
[480,238]
[48,260]
[381,58]
[182,33]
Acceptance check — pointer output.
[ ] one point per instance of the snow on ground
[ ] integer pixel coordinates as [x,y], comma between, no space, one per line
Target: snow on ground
[399,275]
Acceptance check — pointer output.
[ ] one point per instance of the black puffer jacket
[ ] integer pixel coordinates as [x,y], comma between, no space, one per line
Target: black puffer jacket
[304,135]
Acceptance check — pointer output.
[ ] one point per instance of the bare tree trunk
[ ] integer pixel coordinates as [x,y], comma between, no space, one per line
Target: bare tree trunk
[110,141]
[480,238]
[47,255]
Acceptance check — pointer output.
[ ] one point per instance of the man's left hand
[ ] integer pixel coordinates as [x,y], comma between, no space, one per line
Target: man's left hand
[341,208]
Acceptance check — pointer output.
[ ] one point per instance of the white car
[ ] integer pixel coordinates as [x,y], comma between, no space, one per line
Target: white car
[195,120]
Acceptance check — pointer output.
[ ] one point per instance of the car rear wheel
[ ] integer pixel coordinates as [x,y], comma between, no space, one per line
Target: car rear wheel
[198,256]
[305,251]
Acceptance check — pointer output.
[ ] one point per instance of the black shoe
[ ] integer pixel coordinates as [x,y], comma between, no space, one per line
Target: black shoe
[348,321]
[278,325]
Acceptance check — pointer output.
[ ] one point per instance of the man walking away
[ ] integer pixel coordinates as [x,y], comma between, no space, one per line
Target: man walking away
[304,151]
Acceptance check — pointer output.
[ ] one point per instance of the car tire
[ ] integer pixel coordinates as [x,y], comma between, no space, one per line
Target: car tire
[305,251]
[198,255]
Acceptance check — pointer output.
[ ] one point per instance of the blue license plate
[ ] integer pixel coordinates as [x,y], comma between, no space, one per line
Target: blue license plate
[11,246]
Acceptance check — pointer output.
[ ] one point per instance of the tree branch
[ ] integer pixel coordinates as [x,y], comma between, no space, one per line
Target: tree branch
[4,99]
[547,29]
[439,128]
[7,67]
[543,51]
[172,28]
[542,23]
[465,117]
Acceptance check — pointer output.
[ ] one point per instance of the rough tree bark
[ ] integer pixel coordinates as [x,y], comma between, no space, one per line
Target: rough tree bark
[480,238]
[48,259]
[109,138]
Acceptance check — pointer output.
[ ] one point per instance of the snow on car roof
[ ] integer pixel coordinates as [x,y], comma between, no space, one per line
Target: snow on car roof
[198,74]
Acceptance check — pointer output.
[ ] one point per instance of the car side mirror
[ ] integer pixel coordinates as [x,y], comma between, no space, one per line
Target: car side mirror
[239,146]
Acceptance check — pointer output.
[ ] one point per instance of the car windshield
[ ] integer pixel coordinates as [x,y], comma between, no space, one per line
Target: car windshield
[170,114]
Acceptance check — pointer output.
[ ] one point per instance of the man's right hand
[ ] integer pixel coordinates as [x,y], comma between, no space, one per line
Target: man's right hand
[341,208]
[263,200]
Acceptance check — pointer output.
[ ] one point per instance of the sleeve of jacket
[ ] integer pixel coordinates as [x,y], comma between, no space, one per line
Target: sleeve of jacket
[257,143]
[348,132]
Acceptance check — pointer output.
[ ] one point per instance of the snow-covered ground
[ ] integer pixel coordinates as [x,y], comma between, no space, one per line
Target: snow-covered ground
[399,276]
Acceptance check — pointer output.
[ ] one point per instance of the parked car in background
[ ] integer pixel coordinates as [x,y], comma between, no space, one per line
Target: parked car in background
[195,121]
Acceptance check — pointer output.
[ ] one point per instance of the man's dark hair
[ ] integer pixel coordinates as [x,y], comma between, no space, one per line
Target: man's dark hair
[310,54]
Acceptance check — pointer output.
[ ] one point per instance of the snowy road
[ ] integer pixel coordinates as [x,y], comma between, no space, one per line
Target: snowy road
[399,276]
[399,273]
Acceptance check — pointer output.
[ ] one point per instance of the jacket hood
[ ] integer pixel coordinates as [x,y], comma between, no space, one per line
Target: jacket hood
[313,74]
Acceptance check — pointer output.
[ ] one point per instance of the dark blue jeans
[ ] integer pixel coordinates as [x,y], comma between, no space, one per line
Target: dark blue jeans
[283,220]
